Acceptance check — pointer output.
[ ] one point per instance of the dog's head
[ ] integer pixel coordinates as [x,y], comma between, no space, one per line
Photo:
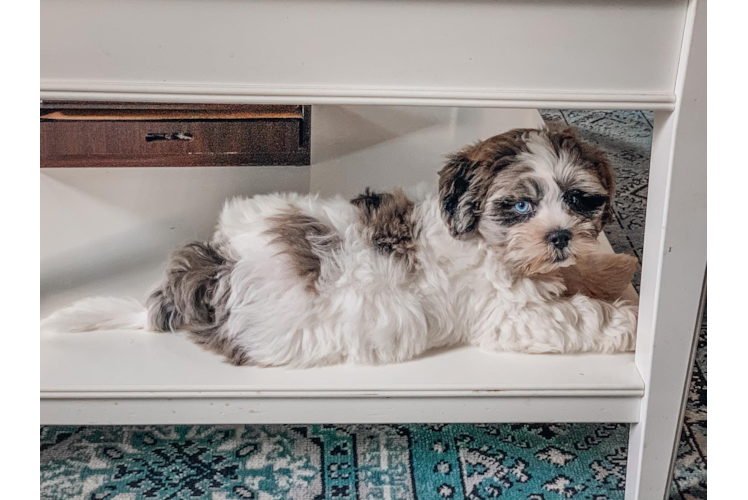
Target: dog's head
[542,196]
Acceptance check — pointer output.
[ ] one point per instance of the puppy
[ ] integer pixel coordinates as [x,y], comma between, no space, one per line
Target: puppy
[291,279]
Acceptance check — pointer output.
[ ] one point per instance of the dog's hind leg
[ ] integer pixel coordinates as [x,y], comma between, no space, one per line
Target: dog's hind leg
[194,297]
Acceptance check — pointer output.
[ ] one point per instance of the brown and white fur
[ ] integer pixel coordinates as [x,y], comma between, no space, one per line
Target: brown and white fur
[292,279]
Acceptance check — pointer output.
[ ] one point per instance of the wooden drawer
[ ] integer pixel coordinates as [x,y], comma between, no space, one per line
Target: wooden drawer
[91,134]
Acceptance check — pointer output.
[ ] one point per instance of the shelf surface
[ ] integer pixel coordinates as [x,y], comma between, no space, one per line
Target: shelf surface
[144,364]
[134,377]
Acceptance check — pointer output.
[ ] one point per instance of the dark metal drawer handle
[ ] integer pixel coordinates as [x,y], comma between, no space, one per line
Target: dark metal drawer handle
[176,136]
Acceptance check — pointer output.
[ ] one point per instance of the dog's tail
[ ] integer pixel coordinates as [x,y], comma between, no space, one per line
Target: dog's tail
[98,313]
[192,297]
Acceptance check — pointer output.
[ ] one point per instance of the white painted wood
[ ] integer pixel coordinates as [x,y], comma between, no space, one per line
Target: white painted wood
[588,53]
[673,269]
[246,94]
[336,410]
[140,363]
[134,363]
[383,147]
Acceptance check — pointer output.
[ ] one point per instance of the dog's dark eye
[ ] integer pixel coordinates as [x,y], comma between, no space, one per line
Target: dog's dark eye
[584,203]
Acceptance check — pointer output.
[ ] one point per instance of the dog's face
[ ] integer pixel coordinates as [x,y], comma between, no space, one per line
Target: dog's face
[541,196]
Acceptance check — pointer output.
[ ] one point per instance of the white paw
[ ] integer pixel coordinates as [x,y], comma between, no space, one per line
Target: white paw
[621,328]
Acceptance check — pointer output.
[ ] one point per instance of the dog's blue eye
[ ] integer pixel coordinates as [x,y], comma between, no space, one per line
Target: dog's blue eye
[522,207]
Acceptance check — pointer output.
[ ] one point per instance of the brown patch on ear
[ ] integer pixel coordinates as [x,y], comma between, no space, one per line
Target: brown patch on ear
[466,178]
[388,223]
[305,240]
[600,276]
[565,138]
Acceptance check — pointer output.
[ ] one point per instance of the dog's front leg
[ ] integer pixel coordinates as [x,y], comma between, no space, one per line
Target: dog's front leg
[565,325]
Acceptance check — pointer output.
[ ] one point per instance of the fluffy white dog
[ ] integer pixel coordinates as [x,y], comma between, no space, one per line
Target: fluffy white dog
[292,279]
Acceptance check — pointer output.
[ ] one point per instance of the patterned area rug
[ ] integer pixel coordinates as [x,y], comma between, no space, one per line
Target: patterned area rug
[532,462]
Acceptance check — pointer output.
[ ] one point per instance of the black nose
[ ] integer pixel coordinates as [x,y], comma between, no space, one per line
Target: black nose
[559,238]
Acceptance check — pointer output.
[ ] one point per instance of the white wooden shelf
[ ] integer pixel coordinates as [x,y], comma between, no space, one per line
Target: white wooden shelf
[127,377]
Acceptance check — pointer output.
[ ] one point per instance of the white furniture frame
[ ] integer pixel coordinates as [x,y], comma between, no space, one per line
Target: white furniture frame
[624,54]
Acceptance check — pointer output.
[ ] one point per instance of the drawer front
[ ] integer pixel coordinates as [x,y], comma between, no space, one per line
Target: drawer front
[100,137]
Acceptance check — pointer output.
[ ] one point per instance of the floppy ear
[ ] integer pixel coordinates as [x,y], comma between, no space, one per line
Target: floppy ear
[608,214]
[465,180]
[461,202]
[604,171]
[609,182]
[566,137]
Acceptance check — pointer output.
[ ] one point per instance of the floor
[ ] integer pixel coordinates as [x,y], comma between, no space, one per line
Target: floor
[534,462]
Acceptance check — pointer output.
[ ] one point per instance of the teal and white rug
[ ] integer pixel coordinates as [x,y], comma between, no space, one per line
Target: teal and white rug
[337,462]
[423,462]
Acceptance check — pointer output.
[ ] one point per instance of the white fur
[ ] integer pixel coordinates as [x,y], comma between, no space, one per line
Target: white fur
[369,308]
[98,313]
